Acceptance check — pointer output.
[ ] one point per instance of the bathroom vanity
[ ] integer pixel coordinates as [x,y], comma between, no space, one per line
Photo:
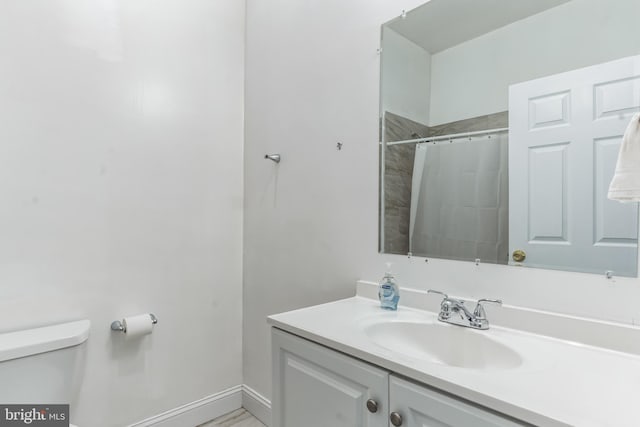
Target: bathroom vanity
[349,363]
[319,386]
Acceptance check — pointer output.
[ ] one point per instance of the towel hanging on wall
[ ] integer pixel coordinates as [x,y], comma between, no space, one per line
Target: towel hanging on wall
[625,185]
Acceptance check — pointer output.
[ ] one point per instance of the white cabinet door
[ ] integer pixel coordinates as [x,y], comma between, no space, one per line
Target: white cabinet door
[564,135]
[317,387]
[420,406]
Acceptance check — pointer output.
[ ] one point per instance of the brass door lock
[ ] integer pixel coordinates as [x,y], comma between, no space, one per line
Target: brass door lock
[518,255]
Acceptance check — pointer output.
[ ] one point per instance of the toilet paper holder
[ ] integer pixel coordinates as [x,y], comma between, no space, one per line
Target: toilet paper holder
[117,325]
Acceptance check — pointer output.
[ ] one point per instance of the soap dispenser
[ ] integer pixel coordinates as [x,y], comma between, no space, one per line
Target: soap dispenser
[388,291]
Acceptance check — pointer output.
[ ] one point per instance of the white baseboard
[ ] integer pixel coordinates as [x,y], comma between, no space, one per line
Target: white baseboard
[198,412]
[258,405]
[210,407]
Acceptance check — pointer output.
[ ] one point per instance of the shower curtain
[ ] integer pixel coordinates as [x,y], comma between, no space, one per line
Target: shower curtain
[459,200]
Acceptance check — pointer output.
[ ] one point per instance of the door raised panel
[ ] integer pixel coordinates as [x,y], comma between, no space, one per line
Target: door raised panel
[548,193]
[318,387]
[615,223]
[549,110]
[326,396]
[422,406]
[611,99]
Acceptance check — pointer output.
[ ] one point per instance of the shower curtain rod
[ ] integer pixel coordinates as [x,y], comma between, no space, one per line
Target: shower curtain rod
[450,136]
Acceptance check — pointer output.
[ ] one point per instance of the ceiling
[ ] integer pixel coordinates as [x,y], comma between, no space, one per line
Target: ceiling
[430,25]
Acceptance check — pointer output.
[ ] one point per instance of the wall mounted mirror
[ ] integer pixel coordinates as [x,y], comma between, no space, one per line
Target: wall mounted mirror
[501,122]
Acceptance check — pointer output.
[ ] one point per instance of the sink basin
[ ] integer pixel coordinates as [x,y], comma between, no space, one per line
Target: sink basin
[445,344]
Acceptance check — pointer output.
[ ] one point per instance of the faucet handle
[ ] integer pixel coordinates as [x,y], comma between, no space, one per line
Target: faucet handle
[445,305]
[479,312]
[433,291]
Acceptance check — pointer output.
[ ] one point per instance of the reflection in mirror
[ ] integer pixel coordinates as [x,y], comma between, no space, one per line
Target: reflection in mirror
[501,128]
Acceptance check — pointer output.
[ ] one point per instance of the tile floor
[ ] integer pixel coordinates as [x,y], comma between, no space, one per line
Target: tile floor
[237,418]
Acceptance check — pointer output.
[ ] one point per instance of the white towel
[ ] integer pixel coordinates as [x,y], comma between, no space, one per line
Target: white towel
[625,185]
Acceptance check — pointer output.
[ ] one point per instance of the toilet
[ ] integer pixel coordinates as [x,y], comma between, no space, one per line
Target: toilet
[43,365]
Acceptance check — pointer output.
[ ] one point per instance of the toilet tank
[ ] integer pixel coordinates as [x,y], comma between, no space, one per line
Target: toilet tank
[43,365]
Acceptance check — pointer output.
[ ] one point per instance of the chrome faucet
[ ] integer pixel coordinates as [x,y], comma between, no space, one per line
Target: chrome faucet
[455,312]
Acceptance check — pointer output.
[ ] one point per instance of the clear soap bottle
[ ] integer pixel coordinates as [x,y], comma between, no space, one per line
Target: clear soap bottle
[388,291]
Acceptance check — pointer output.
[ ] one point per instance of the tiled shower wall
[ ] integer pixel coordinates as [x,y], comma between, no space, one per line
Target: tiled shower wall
[398,172]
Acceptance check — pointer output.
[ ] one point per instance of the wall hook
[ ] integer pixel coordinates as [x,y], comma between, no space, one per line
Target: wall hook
[274,157]
[339,146]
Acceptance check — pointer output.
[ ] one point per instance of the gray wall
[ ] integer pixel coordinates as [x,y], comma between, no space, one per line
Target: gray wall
[311,221]
[121,130]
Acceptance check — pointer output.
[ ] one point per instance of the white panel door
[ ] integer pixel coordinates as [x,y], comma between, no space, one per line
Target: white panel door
[564,134]
[317,387]
[420,406]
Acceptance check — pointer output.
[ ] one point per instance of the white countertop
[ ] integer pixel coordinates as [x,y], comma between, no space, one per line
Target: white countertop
[559,383]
